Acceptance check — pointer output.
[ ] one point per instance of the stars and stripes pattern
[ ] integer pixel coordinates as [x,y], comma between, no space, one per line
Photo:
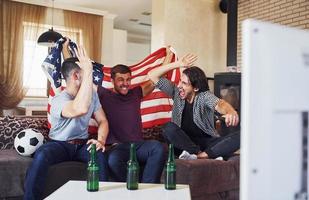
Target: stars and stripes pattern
[51,67]
[155,107]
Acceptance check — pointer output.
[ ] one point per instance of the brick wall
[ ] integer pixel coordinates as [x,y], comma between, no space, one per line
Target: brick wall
[293,13]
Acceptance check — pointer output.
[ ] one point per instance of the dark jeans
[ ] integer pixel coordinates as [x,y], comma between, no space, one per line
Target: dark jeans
[214,147]
[150,154]
[54,152]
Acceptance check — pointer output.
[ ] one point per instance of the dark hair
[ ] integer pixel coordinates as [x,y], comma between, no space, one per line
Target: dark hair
[197,78]
[122,69]
[68,65]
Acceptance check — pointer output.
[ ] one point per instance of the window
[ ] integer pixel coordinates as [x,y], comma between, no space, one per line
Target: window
[34,79]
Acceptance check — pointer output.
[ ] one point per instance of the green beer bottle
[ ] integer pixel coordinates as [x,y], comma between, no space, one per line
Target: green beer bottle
[93,171]
[170,170]
[132,170]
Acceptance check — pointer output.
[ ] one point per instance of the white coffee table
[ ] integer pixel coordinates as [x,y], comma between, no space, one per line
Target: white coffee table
[118,191]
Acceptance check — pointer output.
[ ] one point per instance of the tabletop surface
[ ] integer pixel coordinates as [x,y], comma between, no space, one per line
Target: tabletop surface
[117,190]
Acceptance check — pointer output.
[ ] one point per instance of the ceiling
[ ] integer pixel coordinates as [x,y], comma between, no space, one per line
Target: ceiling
[124,9]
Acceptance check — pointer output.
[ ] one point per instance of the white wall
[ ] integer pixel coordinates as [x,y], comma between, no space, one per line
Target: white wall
[136,52]
[119,47]
[107,41]
[158,25]
[195,26]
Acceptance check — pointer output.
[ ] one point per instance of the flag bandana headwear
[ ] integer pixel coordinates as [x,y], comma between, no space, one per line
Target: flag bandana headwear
[155,107]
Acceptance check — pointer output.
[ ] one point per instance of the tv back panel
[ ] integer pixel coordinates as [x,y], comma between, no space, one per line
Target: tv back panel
[274,110]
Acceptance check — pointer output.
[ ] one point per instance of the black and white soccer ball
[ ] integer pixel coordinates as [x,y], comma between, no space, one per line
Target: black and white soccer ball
[28,141]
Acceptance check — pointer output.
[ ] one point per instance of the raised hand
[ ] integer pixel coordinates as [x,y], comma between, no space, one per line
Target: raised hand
[66,43]
[187,60]
[168,51]
[65,48]
[84,61]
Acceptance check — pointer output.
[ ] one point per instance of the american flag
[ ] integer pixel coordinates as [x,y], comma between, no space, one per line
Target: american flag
[155,107]
[51,67]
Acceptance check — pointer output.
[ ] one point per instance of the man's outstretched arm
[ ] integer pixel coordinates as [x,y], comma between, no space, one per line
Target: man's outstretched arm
[65,49]
[228,112]
[81,103]
[149,86]
[185,61]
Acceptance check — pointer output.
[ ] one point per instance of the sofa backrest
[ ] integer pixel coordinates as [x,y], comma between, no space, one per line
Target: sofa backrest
[10,126]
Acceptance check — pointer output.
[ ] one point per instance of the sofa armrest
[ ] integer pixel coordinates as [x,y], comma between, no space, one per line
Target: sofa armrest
[206,176]
[13,169]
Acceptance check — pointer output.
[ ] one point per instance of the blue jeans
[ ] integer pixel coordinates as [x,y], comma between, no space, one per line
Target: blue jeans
[150,155]
[54,152]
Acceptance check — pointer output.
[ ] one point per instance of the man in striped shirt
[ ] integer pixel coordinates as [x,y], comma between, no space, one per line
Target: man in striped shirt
[192,128]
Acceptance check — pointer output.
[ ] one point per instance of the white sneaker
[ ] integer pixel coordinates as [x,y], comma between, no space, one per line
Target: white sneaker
[186,156]
[219,158]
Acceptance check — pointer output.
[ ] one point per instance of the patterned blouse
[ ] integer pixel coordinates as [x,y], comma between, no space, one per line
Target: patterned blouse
[203,107]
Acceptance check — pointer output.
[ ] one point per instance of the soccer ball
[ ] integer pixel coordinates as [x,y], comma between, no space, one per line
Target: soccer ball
[27,141]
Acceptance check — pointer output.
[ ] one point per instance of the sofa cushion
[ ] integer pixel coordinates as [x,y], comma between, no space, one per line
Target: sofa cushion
[206,176]
[13,168]
[154,133]
[10,126]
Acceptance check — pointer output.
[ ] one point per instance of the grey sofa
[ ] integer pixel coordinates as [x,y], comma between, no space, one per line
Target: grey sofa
[13,167]
[208,179]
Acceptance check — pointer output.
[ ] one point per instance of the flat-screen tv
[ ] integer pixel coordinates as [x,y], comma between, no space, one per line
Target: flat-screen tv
[274,110]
